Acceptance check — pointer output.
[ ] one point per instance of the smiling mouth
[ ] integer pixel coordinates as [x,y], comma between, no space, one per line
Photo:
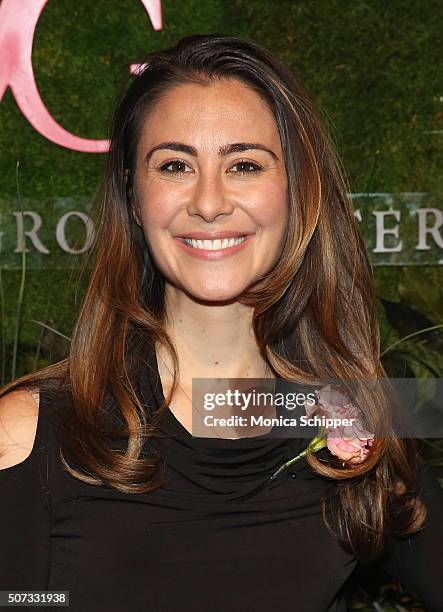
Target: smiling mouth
[213,245]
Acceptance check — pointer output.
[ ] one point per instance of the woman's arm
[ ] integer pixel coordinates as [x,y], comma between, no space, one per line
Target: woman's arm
[417,560]
[24,514]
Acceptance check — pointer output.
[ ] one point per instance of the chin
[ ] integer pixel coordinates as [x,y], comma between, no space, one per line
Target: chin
[215,294]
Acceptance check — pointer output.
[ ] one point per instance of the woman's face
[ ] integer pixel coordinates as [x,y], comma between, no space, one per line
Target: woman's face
[203,184]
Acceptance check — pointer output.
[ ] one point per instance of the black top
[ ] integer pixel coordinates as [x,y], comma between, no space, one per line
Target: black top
[219,535]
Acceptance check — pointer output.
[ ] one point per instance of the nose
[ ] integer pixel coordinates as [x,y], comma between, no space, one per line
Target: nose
[209,199]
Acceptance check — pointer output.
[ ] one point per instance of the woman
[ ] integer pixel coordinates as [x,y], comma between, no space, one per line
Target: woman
[117,502]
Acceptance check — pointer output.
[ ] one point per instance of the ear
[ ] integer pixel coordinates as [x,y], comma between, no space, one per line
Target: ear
[136,216]
[131,200]
[135,212]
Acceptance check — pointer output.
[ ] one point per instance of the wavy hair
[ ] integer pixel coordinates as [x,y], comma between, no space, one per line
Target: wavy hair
[314,313]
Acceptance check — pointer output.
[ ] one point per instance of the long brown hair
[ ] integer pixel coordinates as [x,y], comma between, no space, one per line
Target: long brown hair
[314,312]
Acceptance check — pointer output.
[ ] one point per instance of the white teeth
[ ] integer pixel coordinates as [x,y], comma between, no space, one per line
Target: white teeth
[214,245]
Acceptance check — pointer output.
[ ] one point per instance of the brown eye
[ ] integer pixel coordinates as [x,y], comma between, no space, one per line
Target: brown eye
[253,168]
[176,163]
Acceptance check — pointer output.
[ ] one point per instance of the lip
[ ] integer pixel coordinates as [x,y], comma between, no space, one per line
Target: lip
[214,255]
[213,235]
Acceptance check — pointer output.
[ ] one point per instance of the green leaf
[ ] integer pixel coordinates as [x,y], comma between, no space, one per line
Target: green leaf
[421,293]
[425,361]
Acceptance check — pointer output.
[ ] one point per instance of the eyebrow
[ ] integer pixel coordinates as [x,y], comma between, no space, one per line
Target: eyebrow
[222,151]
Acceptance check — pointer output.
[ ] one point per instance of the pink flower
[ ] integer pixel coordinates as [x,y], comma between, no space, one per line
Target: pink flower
[347,442]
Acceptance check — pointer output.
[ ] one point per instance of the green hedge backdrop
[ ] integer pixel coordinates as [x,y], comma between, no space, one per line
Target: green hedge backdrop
[372,67]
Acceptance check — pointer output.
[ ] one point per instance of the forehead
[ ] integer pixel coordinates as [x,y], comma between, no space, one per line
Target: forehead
[220,110]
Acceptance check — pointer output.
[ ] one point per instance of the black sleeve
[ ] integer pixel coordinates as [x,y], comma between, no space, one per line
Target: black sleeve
[25,521]
[417,560]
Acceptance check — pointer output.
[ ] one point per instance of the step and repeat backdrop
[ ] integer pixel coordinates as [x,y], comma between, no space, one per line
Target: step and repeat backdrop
[373,70]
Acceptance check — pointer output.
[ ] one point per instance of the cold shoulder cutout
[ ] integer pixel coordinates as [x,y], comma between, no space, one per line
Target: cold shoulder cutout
[25,516]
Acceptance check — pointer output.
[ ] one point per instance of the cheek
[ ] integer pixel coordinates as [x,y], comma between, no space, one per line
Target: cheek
[272,208]
[157,211]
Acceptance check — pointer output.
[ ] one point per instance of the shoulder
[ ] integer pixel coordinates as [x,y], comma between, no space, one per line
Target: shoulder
[19,412]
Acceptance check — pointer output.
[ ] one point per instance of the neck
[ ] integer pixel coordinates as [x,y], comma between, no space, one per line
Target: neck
[212,340]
